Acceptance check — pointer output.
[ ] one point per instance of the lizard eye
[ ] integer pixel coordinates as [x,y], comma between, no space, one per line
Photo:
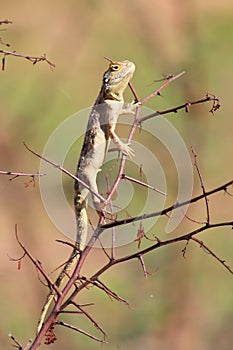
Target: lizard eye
[115,67]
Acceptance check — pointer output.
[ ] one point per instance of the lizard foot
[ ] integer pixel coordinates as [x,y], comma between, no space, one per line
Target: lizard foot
[127,150]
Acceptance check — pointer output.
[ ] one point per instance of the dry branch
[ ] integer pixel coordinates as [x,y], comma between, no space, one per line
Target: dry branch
[32,59]
[60,323]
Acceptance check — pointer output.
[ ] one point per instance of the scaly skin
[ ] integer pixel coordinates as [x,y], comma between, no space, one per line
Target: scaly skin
[100,129]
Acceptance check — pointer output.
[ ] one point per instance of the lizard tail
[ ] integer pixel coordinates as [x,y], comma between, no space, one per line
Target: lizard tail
[59,281]
[82,219]
[45,310]
[80,206]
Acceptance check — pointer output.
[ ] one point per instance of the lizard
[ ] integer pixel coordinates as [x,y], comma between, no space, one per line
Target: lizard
[100,130]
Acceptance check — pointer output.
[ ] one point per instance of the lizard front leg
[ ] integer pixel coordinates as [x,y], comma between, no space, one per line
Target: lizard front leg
[130,108]
[121,146]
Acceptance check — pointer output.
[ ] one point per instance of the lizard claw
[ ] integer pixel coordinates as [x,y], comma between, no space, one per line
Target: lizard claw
[130,108]
[127,150]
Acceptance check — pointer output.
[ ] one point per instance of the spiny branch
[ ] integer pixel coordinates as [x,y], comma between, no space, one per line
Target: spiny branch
[186,106]
[99,284]
[19,174]
[169,79]
[36,263]
[185,237]
[202,186]
[60,323]
[143,265]
[170,208]
[139,254]
[17,344]
[96,325]
[33,59]
[57,166]
[210,251]
[141,183]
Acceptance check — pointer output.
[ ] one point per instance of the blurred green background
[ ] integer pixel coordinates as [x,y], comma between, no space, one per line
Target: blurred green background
[188,303]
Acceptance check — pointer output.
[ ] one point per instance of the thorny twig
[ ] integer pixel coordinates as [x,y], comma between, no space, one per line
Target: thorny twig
[143,265]
[17,344]
[15,175]
[186,106]
[168,209]
[194,220]
[141,183]
[99,284]
[57,166]
[202,186]
[60,323]
[96,325]
[36,263]
[209,251]
[169,79]
[33,59]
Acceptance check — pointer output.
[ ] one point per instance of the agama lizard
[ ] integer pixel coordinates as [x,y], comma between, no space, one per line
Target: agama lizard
[100,129]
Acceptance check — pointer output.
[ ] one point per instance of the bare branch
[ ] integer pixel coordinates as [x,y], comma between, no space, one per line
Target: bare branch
[137,99]
[96,325]
[185,106]
[36,263]
[160,243]
[99,284]
[202,185]
[209,251]
[194,220]
[65,172]
[17,344]
[140,235]
[166,83]
[184,250]
[103,286]
[168,209]
[185,237]
[139,182]
[19,174]
[60,323]
[33,59]
[143,265]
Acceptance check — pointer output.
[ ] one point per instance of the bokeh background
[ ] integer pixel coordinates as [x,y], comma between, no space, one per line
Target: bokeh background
[187,303]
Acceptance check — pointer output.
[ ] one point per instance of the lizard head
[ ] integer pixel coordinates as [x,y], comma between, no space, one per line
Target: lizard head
[116,79]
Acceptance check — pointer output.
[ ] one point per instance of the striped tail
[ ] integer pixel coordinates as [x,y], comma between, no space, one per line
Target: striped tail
[81,218]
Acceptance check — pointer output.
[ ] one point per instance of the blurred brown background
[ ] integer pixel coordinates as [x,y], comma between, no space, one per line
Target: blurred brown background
[188,303]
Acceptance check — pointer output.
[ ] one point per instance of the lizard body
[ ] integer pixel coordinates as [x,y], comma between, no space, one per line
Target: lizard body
[100,129]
